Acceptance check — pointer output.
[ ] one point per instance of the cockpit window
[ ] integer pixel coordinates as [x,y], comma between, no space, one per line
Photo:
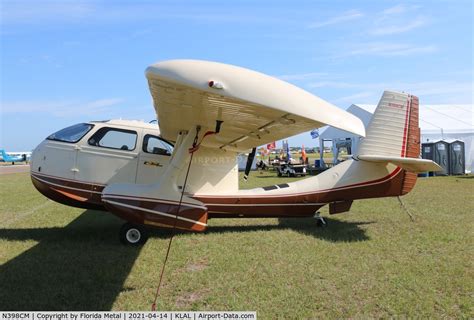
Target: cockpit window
[114,139]
[156,145]
[71,134]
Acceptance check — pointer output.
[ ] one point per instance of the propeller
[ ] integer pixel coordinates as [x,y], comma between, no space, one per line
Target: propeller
[249,163]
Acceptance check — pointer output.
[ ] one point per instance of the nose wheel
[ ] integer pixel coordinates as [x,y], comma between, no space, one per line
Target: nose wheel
[133,234]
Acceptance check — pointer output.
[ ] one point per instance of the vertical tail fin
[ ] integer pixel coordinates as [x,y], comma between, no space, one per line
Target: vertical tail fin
[393,130]
[394,134]
[4,155]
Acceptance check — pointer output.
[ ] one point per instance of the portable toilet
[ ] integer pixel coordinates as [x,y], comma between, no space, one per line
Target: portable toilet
[441,157]
[427,150]
[457,155]
[438,151]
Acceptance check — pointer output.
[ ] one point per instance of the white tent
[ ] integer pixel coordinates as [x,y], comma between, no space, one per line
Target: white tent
[437,122]
[339,137]
[242,162]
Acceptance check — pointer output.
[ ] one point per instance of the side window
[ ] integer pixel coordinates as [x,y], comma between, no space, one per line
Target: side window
[114,139]
[155,145]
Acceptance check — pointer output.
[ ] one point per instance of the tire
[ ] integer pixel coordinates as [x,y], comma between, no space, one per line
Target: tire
[133,234]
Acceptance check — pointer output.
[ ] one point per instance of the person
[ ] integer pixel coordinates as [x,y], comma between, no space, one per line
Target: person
[261,165]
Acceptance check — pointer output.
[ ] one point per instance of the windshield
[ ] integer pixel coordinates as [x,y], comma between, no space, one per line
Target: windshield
[71,134]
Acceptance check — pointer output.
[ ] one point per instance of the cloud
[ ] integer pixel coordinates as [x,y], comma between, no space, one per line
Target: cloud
[440,116]
[332,84]
[397,19]
[344,17]
[400,28]
[302,76]
[389,49]
[423,87]
[354,97]
[432,91]
[398,9]
[28,12]
[62,108]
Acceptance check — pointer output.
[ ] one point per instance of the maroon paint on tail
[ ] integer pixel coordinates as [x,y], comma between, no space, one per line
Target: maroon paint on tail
[412,144]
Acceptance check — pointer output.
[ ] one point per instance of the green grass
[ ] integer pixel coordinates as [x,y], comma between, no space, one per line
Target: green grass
[371,262]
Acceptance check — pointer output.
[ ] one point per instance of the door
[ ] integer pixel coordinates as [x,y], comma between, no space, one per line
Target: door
[153,159]
[58,160]
[109,156]
[457,158]
[442,157]
[427,151]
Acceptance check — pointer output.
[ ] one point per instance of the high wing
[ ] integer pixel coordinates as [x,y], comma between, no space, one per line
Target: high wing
[255,108]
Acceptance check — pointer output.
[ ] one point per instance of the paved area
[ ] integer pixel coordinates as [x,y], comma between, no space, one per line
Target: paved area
[14,168]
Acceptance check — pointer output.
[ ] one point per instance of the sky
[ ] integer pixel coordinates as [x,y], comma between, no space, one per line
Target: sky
[65,62]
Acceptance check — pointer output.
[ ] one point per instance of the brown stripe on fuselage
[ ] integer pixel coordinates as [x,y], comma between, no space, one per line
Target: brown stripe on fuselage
[69,192]
[238,206]
[136,214]
[169,208]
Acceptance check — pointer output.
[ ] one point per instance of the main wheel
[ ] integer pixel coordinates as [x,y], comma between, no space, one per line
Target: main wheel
[133,234]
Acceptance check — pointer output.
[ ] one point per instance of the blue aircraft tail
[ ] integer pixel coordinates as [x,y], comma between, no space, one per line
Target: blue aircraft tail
[4,155]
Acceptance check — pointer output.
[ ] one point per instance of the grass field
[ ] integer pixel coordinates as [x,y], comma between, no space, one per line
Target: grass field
[371,262]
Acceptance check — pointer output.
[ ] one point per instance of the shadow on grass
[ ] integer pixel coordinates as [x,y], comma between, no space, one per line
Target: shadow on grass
[82,266]
[465,177]
[336,231]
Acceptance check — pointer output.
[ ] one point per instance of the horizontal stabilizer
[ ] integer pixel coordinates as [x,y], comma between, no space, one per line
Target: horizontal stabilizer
[409,164]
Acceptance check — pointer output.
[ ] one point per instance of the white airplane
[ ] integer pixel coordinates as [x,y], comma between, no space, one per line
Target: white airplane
[184,172]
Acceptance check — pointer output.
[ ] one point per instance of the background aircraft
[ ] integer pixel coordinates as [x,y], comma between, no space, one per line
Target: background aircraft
[15,156]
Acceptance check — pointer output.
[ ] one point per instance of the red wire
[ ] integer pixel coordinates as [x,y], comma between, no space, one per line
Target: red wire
[196,147]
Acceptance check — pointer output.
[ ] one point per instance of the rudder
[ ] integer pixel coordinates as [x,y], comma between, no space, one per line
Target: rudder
[394,132]
[412,148]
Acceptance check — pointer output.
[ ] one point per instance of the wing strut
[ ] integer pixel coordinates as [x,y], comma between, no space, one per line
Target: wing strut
[249,163]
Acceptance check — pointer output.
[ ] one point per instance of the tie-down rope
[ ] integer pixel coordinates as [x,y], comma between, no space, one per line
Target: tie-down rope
[191,150]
